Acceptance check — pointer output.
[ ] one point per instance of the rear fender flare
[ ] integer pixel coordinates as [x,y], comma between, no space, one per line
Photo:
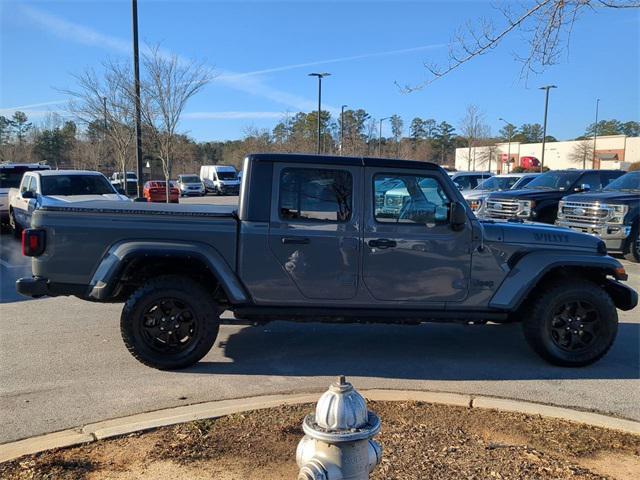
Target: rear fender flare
[121,254]
[526,274]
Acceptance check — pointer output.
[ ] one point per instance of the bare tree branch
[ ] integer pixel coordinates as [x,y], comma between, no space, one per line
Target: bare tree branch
[547,26]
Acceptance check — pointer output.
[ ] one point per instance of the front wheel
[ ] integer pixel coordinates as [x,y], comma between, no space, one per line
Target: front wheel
[573,323]
[632,252]
[169,323]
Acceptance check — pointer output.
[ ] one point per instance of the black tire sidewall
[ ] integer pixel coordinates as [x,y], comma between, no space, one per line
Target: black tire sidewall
[185,290]
[538,331]
[631,251]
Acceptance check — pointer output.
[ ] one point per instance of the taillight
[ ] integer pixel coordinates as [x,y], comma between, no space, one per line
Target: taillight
[33,242]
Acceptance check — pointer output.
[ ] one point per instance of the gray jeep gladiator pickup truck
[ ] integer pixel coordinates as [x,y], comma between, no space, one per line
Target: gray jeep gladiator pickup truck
[317,238]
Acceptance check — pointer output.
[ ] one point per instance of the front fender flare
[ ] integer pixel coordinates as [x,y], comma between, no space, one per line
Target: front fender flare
[525,275]
[120,254]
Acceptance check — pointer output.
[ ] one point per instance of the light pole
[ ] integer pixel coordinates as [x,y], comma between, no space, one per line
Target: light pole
[380,136]
[136,82]
[595,136]
[320,77]
[544,128]
[510,127]
[342,127]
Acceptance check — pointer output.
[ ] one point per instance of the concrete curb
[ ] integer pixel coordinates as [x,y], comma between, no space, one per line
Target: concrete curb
[171,416]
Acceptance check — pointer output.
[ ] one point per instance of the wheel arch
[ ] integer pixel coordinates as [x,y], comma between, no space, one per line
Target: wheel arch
[534,270]
[127,265]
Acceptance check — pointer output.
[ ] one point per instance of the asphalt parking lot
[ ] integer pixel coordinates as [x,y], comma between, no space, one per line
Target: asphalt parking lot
[63,364]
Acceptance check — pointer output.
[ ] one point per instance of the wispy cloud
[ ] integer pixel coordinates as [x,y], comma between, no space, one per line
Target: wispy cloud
[35,105]
[364,56]
[232,115]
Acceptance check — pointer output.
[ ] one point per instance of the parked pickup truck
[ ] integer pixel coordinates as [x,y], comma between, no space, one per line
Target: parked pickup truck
[10,177]
[311,242]
[539,199]
[42,188]
[612,214]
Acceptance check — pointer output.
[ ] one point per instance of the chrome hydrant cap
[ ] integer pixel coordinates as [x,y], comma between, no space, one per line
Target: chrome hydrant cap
[341,415]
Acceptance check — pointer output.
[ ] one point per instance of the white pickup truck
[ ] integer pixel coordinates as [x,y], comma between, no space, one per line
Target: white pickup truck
[41,188]
[10,177]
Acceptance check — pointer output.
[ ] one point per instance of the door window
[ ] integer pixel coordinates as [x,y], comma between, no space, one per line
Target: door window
[24,186]
[592,179]
[318,195]
[464,182]
[410,199]
[33,185]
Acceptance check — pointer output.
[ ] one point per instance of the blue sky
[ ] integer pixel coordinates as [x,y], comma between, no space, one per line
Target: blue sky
[262,52]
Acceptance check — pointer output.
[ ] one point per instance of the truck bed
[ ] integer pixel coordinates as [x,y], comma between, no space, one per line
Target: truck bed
[79,236]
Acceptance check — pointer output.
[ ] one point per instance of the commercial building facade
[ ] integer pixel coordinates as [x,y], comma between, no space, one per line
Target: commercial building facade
[611,152]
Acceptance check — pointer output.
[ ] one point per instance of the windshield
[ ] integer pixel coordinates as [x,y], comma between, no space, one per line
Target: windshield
[189,179]
[131,176]
[497,183]
[628,182]
[554,180]
[227,175]
[75,185]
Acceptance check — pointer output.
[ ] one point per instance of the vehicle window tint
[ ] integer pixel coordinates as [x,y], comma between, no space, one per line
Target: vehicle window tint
[410,199]
[608,177]
[592,179]
[464,181]
[75,185]
[315,194]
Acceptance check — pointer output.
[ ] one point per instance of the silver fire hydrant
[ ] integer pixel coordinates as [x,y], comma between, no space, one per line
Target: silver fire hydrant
[338,443]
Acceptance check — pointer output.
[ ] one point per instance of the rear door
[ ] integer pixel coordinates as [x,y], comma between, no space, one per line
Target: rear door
[410,253]
[314,231]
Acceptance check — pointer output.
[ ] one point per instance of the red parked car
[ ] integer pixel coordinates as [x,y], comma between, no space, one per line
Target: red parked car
[156,191]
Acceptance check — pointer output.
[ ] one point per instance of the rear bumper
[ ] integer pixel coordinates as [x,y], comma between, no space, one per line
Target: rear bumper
[36,287]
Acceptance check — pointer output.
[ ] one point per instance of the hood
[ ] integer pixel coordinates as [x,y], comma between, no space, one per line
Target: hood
[475,194]
[541,234]
[529,194]
[613,196]
[64,199]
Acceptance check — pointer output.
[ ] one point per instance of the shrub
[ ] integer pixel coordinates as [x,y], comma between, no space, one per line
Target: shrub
[635,166]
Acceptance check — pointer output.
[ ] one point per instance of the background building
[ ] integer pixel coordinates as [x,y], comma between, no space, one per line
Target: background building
[612,152]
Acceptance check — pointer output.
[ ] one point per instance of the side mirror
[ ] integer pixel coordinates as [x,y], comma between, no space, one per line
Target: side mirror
[585,187]
[28,194]
[458,185]
[458,216]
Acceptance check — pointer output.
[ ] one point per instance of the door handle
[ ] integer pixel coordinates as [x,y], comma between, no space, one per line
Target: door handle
[382,243]
[295,240]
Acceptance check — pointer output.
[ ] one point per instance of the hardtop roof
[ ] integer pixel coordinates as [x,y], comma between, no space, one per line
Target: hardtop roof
[338,160]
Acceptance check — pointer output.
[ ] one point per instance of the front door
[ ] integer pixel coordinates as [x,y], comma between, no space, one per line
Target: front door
[410,252]
[314,232]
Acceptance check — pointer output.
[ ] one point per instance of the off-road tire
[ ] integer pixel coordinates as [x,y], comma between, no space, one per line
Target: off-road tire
[632,252]
[16,230]
[540,312]
[182,289]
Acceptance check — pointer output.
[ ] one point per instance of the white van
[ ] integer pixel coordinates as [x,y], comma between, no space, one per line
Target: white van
[220,179]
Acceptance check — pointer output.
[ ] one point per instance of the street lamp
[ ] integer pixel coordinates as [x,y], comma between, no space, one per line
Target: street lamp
[510,127]
[136,83]
[595,136]
[342,127]
[320,77]
[380,136]
[544,128]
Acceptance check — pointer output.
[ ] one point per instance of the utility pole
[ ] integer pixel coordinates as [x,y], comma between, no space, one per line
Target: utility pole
[595,136]
[342,127]
[104,113]
[380,136]
[544,128]
[138,116]
[320,77]
[511,127]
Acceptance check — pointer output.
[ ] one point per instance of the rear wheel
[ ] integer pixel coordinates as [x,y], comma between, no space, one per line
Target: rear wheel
[572,324]
[632,252]
[169,323]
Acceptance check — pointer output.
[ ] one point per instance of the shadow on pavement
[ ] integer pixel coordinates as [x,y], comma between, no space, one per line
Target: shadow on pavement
[425,352]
